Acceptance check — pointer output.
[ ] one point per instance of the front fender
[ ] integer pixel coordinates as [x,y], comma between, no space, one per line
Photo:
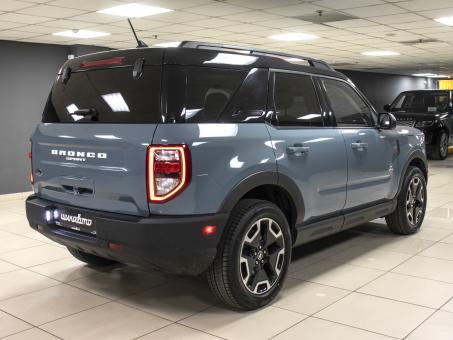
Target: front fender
[420,158]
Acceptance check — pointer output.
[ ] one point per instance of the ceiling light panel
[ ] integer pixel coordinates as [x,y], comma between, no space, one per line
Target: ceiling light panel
[445,20]
[83,34]
[134,10]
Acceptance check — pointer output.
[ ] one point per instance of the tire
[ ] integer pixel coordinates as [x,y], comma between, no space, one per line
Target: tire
[441,148]
[253,256]
[411,204]
[90,259]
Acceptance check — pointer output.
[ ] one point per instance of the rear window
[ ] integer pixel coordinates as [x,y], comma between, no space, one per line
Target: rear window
[106,96]
[190,94]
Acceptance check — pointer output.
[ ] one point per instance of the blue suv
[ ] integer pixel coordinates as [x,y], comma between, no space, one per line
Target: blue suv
[214,159]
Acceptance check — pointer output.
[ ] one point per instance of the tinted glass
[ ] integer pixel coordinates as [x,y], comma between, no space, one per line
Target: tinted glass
[396,105]
[422,102]
[249,101]
[295,100]
[208,92]
[349,108]
[111,95]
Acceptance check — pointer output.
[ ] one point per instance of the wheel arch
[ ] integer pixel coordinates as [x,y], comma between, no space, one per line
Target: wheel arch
[417,159]
[270,186]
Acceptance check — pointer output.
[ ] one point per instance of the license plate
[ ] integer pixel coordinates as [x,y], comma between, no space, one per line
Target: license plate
[78,221]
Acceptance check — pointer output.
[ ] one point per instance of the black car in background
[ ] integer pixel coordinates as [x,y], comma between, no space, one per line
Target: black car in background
[430,111]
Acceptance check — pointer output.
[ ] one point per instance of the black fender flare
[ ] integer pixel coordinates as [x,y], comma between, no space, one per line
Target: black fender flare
[417,154]
[265,178]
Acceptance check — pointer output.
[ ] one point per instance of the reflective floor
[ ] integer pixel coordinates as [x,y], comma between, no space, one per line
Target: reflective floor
[362,284]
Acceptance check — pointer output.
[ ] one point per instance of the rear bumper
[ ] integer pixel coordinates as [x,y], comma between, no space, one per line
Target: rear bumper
[172,244]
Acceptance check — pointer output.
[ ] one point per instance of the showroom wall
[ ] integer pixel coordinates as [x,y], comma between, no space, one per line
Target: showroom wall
[27,71]
[381,88]
[26,74]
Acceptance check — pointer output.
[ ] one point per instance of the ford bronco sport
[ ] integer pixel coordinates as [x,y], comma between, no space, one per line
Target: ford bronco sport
[430,111]
[209,158]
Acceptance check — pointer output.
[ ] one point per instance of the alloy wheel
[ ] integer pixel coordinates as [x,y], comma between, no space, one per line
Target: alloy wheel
[262,256]
[415,200]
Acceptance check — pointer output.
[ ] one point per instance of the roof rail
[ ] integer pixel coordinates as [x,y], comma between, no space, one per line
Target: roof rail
[213,46]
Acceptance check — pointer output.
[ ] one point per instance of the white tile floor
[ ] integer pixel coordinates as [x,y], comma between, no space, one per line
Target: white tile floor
[362,284]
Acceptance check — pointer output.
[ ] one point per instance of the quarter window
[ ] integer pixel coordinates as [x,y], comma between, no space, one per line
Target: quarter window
[295,100]
[204,94]
[209,91]
[348,107]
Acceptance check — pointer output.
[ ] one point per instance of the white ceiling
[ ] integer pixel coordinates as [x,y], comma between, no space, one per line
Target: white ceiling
[381,24]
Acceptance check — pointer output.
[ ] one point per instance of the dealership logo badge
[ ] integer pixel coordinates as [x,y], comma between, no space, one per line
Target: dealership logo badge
[78,156]
[76,219]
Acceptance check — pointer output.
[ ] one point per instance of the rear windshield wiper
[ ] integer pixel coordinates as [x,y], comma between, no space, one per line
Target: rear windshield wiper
[84,112]
[78,114]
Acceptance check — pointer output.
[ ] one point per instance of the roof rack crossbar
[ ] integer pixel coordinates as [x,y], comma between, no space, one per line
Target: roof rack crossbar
[203,45]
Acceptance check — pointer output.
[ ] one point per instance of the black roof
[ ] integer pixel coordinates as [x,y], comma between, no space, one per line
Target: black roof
[426,91]
[254,51]
[209,55]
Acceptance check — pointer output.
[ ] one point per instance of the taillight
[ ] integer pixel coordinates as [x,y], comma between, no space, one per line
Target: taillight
[169,171]
[32,180]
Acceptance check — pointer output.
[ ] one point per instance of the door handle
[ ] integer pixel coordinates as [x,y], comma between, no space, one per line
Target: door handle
[359,145]
[297,149]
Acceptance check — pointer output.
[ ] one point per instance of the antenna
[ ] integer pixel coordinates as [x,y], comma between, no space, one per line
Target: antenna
[139,42]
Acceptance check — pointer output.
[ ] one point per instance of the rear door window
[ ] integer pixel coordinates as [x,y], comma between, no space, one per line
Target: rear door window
[295,100]
[112,96]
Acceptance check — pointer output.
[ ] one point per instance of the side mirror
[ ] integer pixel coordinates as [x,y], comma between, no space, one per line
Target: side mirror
[387,121]
[387,107]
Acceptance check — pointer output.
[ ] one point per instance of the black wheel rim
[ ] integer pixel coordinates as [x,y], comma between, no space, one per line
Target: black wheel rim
[262,256]
[415,200]
[443,145]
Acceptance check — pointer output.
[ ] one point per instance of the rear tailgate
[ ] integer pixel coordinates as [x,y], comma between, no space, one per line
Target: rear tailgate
[96,166]
[98,161]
